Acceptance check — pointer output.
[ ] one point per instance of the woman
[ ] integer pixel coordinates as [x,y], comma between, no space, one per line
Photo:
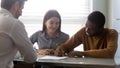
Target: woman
[50,36]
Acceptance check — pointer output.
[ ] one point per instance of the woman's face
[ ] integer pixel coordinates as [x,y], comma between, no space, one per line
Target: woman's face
[52,24]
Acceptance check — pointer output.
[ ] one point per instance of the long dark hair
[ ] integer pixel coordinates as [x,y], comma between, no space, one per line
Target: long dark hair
[50,14]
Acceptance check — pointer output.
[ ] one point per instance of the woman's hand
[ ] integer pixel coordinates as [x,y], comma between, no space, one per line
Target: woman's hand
[45,51]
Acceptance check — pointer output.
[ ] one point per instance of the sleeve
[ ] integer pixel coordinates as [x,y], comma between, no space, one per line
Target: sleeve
[67,37]
[108,52]
[64,37]
[34,37]
[22,42]
[72,42]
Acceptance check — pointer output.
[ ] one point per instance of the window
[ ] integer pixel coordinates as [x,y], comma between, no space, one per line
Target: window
[73,14]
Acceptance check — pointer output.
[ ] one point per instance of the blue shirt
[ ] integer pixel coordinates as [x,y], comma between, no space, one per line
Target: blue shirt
[45,42]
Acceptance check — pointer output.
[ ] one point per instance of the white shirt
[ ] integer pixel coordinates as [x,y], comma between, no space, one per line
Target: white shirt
[13,37]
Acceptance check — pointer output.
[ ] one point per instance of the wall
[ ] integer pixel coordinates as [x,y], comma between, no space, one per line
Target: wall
[110,13]
[102,5]
[114,20]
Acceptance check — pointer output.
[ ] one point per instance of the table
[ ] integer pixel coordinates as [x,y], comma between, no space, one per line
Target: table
[81,62]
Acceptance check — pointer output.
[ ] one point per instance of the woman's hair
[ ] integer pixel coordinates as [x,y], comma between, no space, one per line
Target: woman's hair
[97,18]
[7,4]
[50,14]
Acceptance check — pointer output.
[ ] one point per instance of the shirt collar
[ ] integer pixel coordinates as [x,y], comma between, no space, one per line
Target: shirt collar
[6,12]
[46,35]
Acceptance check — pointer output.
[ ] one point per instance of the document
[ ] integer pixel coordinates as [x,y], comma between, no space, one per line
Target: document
[51,57]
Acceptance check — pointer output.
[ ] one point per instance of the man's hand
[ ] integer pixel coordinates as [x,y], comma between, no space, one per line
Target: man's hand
[59,52]
[75,54]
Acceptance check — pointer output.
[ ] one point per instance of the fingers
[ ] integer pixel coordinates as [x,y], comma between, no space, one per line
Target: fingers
[72,54]
[75,54]
[45,52]
[51,51]
[59,52]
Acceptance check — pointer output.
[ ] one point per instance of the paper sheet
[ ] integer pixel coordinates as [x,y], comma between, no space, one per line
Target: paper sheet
[52,57]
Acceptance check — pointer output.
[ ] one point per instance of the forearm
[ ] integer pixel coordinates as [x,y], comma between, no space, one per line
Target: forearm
[100,53]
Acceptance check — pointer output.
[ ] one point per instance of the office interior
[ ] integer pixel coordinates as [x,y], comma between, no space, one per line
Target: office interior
[110,8]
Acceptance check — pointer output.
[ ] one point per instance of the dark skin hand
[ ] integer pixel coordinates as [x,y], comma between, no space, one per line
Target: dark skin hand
[59,52]
[75,54]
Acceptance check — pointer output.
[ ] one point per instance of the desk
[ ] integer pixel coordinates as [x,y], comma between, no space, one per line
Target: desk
[82,62]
